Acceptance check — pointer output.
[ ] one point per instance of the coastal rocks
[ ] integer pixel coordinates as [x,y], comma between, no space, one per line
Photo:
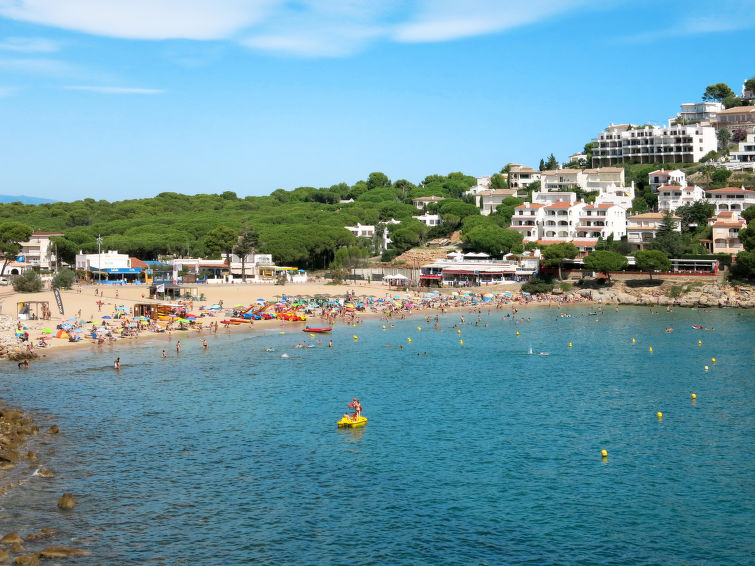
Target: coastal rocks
[54,429]
[11,538]
[42,473]
[62,552]
[44,533]
[4,555]
[66,502]
[27,560]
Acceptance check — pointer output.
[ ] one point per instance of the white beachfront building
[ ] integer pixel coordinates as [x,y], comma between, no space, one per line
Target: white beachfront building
[745,154]
[429,219]
[528,220]
[671,197]
[693,112]
[642,228]
[38,252]
[731,198]
[656,179]
[520,176]
[602,221]
[488,200]
[421,202]
[627,143]
[725,232]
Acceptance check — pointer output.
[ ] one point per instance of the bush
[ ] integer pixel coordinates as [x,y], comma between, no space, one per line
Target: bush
[388,255]
[28,282]
[675,291]
[538,284]
[64,278]
[564,286]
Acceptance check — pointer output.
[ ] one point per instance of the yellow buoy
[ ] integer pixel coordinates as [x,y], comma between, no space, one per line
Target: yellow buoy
[650,349]
[408,339]
[633,340]
[461,342]
[283,332]
[458,331]
[569,344]
[384,327]
[311,335]
[699,342]
[693,396]
[604,453]
[713,360]
[356,337]
[517,333]
[706,368]
[659,415]
[419,328]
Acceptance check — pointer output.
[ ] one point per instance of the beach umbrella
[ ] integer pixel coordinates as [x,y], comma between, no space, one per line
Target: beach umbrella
[77,330]
[107,316]
[66,326]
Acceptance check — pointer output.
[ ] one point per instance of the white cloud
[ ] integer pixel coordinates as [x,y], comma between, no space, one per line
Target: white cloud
[143,19]
[443,20]
[37,66]
[29,45]
[115,90]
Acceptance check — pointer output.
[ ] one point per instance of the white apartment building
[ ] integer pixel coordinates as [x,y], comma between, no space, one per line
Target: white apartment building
[626,143]
[601,221]
[731,198]
[421,202]
[561,220]
[545,197]
[488,200]
[520,176]
[110,259]
[642,228]
[737,117]
[591,180]
[661,177]
[528,220]
[429,219]
[38,252]
[671,197]
[698,112]
[745,154]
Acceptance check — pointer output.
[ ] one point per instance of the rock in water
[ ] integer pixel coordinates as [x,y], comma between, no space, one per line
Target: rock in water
[62,552]
[11,538]
[66,501]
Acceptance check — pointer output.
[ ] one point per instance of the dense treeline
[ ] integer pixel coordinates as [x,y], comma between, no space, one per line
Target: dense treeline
[302,227]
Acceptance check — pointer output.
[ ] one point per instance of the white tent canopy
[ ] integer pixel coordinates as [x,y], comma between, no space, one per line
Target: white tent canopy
[396,276]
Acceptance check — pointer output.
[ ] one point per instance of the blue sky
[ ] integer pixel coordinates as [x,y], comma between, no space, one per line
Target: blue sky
[117,99]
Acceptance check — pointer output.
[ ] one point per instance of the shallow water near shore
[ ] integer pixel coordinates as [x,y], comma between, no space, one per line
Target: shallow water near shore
[475,453]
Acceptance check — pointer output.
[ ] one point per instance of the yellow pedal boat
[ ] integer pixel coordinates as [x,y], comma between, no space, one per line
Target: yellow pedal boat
[348,422]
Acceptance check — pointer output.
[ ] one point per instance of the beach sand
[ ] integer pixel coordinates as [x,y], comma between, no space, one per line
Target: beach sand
[81,303]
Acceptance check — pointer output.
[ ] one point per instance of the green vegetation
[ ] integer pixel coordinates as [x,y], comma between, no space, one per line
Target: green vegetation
[538,284]
[28,282]
[652,260]
[605,262]
[64,278]
[302,227]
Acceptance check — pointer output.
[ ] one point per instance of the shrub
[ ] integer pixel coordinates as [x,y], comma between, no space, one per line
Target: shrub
[675,291]
[538,284]
[64,278]
[28,282]
[564,286]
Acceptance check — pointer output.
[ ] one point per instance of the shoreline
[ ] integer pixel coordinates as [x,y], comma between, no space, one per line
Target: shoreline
[82,303]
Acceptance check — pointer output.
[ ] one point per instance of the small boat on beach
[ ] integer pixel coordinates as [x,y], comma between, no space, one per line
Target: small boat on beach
[317,330]
[348,422]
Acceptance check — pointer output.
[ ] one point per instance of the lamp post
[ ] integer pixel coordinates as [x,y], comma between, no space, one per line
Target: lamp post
[99,257]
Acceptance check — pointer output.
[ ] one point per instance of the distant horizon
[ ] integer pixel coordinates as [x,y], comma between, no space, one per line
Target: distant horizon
[123,100]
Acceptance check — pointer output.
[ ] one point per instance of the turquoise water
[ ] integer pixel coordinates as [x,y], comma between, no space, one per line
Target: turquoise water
[474,454]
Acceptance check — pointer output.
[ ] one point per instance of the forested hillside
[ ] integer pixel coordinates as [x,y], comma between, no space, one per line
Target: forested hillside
[302,227]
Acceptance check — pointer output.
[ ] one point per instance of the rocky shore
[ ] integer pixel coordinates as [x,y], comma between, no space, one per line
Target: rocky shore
[663,293]
[18,462]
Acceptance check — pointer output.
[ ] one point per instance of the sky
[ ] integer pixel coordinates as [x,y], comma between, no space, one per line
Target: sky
[122,99]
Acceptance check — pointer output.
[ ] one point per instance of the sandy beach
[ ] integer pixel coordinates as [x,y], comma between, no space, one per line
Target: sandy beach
[81,303]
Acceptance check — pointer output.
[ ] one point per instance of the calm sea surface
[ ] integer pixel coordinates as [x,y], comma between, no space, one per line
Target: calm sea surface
[475,453]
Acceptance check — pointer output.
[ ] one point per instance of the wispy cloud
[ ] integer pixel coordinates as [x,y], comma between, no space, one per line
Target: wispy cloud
[143,19]
[9,91]
[721,18]
[29,45]
[40,66]
[115,90]
[443,20]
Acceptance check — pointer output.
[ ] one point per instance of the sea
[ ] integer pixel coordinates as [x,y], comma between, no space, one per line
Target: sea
[483,444]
